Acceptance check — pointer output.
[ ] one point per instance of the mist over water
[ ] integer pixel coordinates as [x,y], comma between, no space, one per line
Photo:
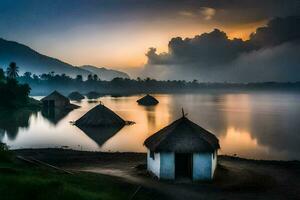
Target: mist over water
[252,125]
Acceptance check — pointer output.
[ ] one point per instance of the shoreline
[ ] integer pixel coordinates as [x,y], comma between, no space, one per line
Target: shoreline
[173,92]
[235,178]
[81,152]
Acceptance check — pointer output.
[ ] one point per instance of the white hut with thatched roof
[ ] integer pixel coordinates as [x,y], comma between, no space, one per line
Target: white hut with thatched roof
[148,100]
[99,116]
[182,149]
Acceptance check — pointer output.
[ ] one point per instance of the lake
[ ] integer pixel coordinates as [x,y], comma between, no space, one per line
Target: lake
[252,125]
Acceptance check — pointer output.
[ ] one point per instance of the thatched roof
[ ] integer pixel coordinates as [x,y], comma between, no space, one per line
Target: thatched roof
[99,116]
[55,96]
[93,95]
[148,100]
[182,136]
[75,96]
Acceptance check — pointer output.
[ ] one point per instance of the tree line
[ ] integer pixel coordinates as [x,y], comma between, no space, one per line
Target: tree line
[47,82]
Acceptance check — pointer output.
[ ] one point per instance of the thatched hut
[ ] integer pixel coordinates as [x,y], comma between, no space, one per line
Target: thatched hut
[76,96]
[100,116]
[93,95]
[182,149]
[148,100]
[57,100]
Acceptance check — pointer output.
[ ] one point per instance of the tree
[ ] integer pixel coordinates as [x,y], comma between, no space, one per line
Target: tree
[95,77]
[2,75]
[27,75]
[12,71]
[79,78]
[35,77]
[90,77]
[5,154]
[45,76]
[52,73]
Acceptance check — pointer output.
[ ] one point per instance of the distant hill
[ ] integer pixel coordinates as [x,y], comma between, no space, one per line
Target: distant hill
[30,60]
[103,73]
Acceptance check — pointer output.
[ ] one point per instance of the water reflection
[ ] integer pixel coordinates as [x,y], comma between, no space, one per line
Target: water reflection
[100,134]
[251,125]
[11,121]
[151,117]
[241,141]
[54,115]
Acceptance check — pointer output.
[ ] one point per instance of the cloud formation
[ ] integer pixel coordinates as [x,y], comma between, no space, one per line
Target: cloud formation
[207,12]
[214,57]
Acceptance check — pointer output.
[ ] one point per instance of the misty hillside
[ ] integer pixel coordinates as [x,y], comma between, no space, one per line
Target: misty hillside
[103,73]
[29,60]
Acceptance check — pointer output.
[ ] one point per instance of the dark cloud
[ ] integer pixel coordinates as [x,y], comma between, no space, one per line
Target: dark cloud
[277,31]
[210,48]
[214,57]
[278,63]
[247,11]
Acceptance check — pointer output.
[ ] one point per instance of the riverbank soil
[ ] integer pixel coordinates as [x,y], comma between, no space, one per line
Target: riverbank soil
[235,178]
[21,181]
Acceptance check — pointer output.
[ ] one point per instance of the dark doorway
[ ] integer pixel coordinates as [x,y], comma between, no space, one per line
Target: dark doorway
[51,104]
[183,165]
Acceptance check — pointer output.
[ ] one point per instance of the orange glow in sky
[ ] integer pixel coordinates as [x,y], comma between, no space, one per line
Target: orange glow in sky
[92,45]
[243,31]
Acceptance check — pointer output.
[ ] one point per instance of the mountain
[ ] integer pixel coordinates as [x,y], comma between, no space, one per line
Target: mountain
[103,73]
[30,60]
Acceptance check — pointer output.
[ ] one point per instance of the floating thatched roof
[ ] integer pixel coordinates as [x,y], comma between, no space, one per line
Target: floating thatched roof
[147,100]
[99,116]
[93,95]
[182,136]
[55,96]
[75,96]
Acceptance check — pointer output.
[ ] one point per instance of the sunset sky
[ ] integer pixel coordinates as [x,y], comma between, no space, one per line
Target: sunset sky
[117,34]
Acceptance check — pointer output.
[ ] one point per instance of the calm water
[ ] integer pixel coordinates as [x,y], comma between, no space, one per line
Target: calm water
[252,125]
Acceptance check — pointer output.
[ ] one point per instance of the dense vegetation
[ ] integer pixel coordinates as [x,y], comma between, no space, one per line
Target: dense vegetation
[5,154]
[20,180]
[46,83]
[13,94]
[15,89]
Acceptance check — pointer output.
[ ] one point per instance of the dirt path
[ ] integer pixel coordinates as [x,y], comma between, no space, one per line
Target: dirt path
[235,178]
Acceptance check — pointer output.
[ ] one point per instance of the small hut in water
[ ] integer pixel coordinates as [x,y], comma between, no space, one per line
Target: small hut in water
[100,116]
[76,96]
[93,95]
[57,100]
[182,149]
[147,100]
[100,123]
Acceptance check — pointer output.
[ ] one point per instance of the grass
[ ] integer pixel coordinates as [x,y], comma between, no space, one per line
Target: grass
[20,181]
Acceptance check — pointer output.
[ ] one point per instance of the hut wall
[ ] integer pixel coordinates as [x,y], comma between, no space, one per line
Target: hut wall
[61,103]
[153,165]
[202,166]
[214,162]
[167,165]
